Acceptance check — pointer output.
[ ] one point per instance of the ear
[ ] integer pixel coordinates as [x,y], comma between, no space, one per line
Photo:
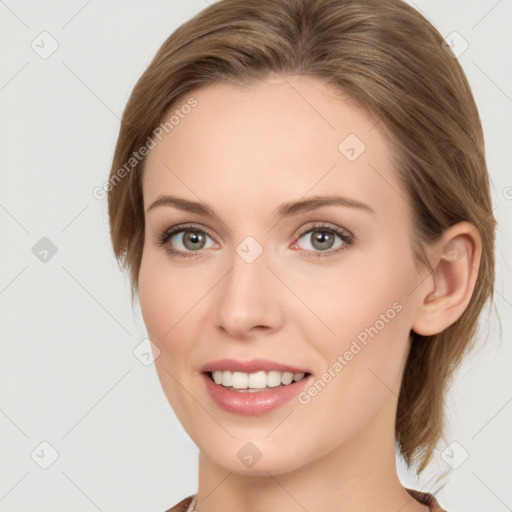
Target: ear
[445,294]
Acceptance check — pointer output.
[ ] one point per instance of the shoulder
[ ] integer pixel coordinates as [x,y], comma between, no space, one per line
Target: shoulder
[426,498]
[182,506]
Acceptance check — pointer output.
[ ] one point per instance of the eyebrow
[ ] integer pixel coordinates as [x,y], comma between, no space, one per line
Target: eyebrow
[285,210]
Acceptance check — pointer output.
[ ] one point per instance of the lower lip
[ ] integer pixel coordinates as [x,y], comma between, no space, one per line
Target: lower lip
[252,404]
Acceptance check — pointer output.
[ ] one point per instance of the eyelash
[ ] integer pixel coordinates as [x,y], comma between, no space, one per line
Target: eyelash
[345,237]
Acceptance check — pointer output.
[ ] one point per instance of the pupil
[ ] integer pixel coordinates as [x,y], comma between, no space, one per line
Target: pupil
[322,237]
[194,238]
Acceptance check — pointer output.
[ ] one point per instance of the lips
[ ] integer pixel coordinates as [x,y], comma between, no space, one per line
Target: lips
[253,366]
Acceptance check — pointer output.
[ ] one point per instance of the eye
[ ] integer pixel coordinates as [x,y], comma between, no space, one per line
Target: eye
[321,239]
[187,238]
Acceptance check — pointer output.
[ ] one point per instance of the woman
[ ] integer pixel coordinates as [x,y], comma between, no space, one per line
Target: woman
[300,194]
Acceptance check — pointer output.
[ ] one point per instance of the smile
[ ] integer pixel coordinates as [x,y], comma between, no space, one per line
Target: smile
[253,387]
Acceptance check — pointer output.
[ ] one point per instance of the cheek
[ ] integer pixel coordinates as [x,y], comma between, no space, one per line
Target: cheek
[159,297]
[163,308]
[363,361]
[169,298]
[348,300]
[151,297]
[363,314]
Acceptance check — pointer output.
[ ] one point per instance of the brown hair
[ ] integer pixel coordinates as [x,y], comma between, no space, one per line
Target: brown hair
[391,61]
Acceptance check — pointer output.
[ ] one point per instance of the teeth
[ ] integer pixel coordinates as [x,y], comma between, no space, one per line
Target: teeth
[274,379]
[240,380]
[227,379]
[287,378]
[257,381]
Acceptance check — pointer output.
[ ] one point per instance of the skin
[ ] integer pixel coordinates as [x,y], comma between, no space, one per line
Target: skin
[245,151]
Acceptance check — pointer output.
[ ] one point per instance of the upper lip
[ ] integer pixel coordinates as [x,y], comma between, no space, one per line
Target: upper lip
[255,365]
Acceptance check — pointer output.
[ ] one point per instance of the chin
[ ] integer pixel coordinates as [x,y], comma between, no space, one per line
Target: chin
[253,458]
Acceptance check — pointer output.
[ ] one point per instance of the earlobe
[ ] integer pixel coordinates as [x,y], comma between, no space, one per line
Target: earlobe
[455,260]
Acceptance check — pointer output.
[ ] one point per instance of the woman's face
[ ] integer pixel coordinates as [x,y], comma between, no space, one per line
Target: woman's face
[328,290]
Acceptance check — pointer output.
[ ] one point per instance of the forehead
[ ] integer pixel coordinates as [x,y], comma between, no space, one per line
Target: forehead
[277,138]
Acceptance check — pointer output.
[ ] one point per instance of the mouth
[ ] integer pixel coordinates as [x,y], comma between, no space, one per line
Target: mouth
[254,382]
[256,393]
[253,387]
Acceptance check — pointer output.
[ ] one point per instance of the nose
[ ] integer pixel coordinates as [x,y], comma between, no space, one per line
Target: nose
[248,301]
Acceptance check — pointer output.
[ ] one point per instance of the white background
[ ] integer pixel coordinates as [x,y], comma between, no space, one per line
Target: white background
[68,375]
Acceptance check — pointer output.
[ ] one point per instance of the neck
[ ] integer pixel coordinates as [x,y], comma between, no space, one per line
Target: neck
[357,476]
